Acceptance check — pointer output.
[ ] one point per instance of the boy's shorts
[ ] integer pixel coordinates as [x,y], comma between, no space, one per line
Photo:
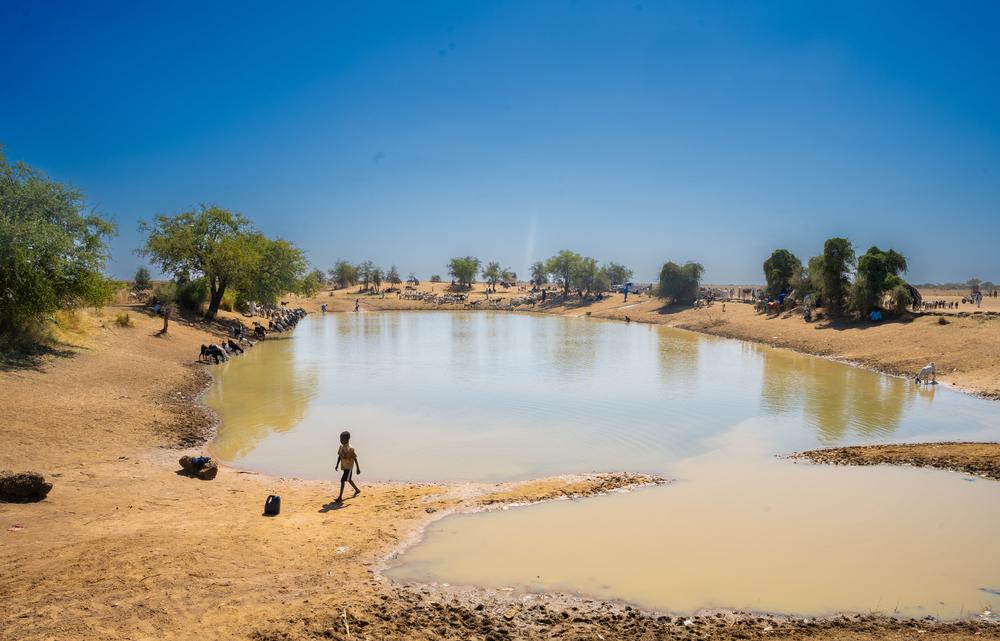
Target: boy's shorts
[347,475]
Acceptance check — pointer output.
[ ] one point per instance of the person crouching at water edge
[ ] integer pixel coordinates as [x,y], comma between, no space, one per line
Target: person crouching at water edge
[346,460]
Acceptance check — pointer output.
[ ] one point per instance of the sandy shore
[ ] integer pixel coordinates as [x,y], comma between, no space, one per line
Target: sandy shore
[980,459]
[125,548]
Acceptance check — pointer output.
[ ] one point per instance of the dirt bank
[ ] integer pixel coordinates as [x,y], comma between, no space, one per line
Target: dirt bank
[981,459]
[125,548]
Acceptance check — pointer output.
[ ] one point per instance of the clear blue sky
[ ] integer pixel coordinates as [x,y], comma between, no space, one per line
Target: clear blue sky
[632,131]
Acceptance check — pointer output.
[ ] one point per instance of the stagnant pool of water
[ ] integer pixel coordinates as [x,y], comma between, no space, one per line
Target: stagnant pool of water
[480,396]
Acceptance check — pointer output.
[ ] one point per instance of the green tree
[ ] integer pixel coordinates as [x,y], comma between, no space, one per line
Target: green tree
[392,277]
[365,272]
[435,278]
[586,274]
[210,241]
[412,279]
[539,274]
[464,269]
[141,281]
[879,272]
[312,283]
[563,266]
[780,271]
[52,252]
[377,276]
[492,273]
[274,267]
[343,274]
[838,260]
[618,274]
[680,283]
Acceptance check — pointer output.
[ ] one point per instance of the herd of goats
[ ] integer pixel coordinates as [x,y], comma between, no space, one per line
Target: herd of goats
[279,319]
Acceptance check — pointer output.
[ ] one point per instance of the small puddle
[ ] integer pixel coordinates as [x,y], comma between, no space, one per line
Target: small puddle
[498,396]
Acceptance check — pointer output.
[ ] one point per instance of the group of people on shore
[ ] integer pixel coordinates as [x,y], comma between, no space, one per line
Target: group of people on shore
[278,320]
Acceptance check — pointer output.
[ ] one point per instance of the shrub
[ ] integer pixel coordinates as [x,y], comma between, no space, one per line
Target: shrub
[228,301]
[192,294]
[123,320]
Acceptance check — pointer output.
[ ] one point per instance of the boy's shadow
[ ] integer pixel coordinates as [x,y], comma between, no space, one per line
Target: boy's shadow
[333,505]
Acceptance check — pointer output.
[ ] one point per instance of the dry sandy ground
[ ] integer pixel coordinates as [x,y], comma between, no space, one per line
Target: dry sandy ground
[125,548]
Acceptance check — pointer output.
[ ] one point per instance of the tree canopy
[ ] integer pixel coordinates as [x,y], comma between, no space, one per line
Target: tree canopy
[343,274]
[464,269]
[226,250]
[680,283]
[879,272]
[780,271]
[392,276]
[141,281]
[492,273]
[539,274]
[618,274]
[838,261]
[52,251]
[563,266]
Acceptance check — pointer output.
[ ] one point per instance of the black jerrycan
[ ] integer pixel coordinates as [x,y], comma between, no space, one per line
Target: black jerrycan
[272,506]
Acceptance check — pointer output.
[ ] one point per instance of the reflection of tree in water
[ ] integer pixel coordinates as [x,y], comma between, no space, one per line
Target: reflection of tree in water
[835,397]
[678,360]
[569,345]
[266,390]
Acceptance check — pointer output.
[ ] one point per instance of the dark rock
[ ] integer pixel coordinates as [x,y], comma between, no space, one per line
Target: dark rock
[23,487]
[208,470]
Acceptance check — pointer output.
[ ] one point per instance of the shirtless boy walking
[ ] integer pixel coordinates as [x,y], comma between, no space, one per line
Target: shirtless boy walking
[346,460]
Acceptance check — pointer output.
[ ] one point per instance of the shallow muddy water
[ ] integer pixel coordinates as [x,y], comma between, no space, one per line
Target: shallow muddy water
[480,396]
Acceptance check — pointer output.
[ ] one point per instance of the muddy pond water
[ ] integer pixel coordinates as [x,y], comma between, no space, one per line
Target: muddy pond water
[489,397]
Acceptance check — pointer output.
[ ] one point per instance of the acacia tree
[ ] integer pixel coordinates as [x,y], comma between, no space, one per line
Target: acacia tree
[617,274]
[435,278]
[780,270]
[680,283]
[412,279]
[274,267]
[492,273]
[52,253]
[392,277]
[343,274]
[464,269]
[563,266]
[365,272]
[586,274]
[210,241]
[838,260]
[879,272]
[539,274]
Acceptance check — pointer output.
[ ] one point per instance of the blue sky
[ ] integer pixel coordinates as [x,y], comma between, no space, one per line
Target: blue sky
[638,132]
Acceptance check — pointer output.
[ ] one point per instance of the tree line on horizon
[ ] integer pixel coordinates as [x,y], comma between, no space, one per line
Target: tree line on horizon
[54,250]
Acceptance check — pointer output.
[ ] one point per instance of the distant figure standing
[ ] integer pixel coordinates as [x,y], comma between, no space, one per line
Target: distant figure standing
[357,304]
[625,291]
[347,459]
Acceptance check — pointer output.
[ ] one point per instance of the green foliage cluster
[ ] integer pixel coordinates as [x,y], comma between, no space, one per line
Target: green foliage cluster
[828,277]
[780,271]
[879,272]
[141,281]
[52,252]
[571,270]
[680,283]
[464,269]
[225,250]
[343,274]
